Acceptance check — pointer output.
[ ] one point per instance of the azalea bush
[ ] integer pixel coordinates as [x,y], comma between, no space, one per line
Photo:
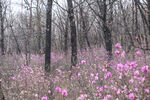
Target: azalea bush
[118,79]
[94,78]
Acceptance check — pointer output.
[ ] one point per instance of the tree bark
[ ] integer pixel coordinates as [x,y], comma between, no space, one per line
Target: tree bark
[73,33]
[48,37]
[148,4]
[2,29]
[38,26]
[16,40]
[107,32]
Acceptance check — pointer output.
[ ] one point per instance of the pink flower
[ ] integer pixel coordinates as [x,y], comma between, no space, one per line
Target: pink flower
[49,91]
[59,71]
[138,53]
[64,92]
[145,69]
[136,73]
[133,64]
[134,37]
[44,98]
[117,52]
[101,89]
[108,75]
[79,74]
[118,45]
[126,67]
[58,89]
[118,92]
[131,81]
[36,95]
[123,54]
[104,70]
[136,89]
[83,62]
[131,96]
[99,94]
[146,90]
[120,67]
[91,75]
[107,97]
[96,77]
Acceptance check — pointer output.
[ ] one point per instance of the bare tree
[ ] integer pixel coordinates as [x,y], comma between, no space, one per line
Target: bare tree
[48,36]
[73,33]
[38,10]
[2,28]
[148,5]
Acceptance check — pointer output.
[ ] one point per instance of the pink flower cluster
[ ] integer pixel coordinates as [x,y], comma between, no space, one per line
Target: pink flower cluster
[63,92]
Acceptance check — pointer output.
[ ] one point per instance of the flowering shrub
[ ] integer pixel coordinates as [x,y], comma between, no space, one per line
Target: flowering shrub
[94,78]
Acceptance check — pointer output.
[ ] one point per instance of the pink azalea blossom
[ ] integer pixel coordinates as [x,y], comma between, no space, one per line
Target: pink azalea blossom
[134,37]
[138,53]
[64,93]
[49,91]
[118,45]
[58,89]
[96,77]
[123,54]
[147,90]
[108,75]
[131,96]
[36,95]
[120,67]
[117,52]
[136,73]
[131,81]
[145,69]
[44,98]
[83,62]
[101,89]
[118,91]
[91,75]
[79,74]
[136,89]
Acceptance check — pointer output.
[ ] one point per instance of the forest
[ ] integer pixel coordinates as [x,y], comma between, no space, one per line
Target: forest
[74,50]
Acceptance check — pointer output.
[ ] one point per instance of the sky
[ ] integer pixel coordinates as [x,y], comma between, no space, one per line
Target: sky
[16,4]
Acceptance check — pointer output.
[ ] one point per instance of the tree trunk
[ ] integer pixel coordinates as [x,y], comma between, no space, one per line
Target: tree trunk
[73,33]
[48,37]
[16,40]
[107,32]
[84,29]
[66,38]
[2,28]
[38,26]
[148,4]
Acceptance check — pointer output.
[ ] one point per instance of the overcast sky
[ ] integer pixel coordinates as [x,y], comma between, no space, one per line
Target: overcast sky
[16,4]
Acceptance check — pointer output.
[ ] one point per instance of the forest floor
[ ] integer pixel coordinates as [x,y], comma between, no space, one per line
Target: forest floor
[125,77]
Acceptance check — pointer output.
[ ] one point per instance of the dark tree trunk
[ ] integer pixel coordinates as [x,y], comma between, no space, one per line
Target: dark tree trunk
[16,40]
[107,32]
[127,29]
[1,93]
[39,26]
[148,4]
[2,29]
[48,37]
[73,33]
[66,38]
[83,30]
